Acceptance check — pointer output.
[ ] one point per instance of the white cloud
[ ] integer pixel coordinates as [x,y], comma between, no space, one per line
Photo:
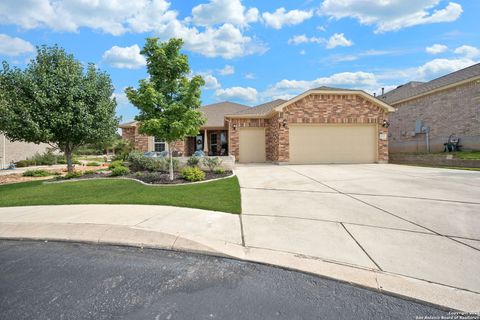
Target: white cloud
[121,98]
[439,67]
[302,38]
[211,83]
[224,11]
[124,57]
[250,76]
[281,17]
[246,94]
[12,46]
[436,49]
[288,88]
[468,51]
[227,70]
[392,15]
[118,17]
[227,41]
[109,16]
[338,40]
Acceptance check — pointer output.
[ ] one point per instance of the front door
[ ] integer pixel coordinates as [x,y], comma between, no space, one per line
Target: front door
[199,143]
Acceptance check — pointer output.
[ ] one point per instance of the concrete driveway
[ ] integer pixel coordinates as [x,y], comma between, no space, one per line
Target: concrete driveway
[413,221]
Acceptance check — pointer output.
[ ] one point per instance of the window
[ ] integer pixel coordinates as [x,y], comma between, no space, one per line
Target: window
[213,143]
[159,145]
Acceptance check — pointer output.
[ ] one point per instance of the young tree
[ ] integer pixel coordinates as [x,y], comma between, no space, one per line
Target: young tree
[54,101]
[168,100]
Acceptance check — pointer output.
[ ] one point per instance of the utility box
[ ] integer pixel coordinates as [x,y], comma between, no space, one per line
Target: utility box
[418,126]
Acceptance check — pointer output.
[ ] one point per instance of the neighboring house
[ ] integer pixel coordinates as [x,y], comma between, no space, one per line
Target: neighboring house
[323,125]
[16,151]
[429,112]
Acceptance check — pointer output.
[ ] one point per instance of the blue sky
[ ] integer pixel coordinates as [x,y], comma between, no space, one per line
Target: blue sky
[254,51]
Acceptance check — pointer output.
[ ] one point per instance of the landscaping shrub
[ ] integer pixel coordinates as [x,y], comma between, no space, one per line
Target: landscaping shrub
[193,161]
[89,172]
[73,175]
[219,170]
[115,164]
[193,174]
[37,173]
[120,171]
[140,162]
[24,163]
[212,162]
[93,164]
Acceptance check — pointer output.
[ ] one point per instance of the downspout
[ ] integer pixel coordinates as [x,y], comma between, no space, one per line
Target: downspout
[427,138]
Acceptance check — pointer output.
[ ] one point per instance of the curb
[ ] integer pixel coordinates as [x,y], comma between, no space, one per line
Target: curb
[408,288]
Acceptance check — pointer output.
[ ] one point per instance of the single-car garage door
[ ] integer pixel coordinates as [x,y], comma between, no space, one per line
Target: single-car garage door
[311,143]
[252,145]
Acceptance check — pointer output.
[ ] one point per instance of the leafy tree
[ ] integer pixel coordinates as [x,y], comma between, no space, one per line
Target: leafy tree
[54,101]
[168,100]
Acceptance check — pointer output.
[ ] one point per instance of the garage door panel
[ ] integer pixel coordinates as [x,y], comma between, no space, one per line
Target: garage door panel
[252,145]
[332,143]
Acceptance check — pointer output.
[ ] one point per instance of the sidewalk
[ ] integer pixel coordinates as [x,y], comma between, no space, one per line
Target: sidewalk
[206,232]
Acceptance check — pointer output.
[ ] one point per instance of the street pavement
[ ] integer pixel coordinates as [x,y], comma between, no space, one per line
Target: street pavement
[49,280]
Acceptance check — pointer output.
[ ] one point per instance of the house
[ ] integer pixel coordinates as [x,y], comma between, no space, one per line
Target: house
[212,137]
[16,150]
[322,125]
[428,113]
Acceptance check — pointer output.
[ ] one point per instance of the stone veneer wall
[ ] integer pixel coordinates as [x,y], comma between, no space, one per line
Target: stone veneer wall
[315,109]
[451,111]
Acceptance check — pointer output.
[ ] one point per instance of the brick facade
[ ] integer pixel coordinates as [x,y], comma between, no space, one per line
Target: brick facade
[139,141]
[314,109]
[451,111]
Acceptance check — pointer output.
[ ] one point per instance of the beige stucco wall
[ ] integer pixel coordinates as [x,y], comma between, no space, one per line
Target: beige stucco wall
[16,151]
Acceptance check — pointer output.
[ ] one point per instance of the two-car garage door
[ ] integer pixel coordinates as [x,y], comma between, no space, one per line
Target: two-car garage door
[328,143]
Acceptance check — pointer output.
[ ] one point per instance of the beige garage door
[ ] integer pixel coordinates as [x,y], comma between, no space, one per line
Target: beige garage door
[311,143]
[252,145]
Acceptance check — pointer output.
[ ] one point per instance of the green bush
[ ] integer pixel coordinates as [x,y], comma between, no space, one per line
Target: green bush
[73,175]
[139,162]
[24,163]
[37,173]
[193,174]
[120,171]
[193,161]
[219,170]
[115,164]
[89,172]
[212,162]
[93,164]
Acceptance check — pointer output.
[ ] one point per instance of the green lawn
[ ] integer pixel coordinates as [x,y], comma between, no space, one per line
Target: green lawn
[221,195]
[467,155]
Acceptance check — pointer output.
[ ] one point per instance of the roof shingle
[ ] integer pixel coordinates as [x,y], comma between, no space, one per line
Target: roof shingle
[261,109]
[415,88]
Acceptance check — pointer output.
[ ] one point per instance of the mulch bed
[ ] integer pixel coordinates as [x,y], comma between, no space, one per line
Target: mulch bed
[157,177]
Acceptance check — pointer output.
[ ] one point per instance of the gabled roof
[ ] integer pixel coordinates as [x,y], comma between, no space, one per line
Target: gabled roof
[415,89]
[130,124]
[261,109]
[216,112]
[339,91]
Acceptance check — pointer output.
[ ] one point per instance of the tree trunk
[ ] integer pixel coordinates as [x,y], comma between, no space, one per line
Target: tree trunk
[68,156]
[171,161]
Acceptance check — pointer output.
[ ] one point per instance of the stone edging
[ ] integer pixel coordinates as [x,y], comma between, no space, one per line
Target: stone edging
[144,183]
[408,288]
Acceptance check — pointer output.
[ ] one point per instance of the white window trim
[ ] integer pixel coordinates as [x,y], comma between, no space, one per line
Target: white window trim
[155,142]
